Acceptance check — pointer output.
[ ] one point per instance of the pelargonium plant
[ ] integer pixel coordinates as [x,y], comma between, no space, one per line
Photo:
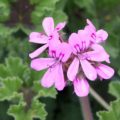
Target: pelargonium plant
[77,59]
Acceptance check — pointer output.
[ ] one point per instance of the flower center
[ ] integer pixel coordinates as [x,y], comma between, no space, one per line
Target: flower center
[58,60]
[82,56]
[57,57]
[82,48]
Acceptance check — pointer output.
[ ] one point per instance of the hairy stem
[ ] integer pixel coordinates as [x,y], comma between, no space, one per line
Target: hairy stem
[86,109]
[99,98]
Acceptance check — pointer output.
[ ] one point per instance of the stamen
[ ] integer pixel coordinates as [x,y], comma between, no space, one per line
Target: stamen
[83,45]
[61,55]
[93,36]
[50,37]
[77,47]
[57,28]
[53,53]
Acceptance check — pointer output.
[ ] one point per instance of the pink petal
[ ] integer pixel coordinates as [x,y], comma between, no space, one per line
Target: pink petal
[42,63]
[54,41]
[81,87]
[91,30]
[73,69]
[104,55]
[84,39]
[52,48]
[48,25]
[48,78]
[92,27]
[98,54]
[88,70]
[63,51]
[59,78]
[60,26]
[73,41]
[38,51]
[101,36]
[55,36]
[104,71]
[37,37]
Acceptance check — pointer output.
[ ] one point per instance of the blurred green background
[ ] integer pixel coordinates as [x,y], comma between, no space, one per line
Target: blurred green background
[21,96]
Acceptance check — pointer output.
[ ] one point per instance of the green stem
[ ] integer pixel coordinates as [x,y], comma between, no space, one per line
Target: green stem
[99,98]
[86,109]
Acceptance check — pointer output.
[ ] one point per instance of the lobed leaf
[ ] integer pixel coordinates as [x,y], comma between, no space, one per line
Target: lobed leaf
[114,111]
[44,92]
[14,67]
[4,10]
[42,9]
[36,110]
[112,114]
[9,88]
[114,89]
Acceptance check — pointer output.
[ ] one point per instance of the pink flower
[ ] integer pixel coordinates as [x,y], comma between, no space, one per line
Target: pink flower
[81,86]
[81,58]
[96,36]
[84,54]
[86,57]
[51,35]
[54,75]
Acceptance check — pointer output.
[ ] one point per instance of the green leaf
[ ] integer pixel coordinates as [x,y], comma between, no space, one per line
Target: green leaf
[15,90]
[12,46]
[61,4]
[59,16]
[42,9]
[44,92]
[14,67]
[108,4]
[119,72]
[34,2]
[88,5]
[112,114]
[4,29]
[4,10]
[114,89]
[9,87]
[36,110]
[35,75]
[114,111]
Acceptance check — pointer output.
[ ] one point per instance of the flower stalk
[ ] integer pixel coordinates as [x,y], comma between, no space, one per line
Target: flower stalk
[86,109]
[99,99]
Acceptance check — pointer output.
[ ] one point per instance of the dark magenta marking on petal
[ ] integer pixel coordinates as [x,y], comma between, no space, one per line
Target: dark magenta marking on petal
[53,53]
[50,37]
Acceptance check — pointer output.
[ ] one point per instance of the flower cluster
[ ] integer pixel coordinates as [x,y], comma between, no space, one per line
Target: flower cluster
[77,60]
